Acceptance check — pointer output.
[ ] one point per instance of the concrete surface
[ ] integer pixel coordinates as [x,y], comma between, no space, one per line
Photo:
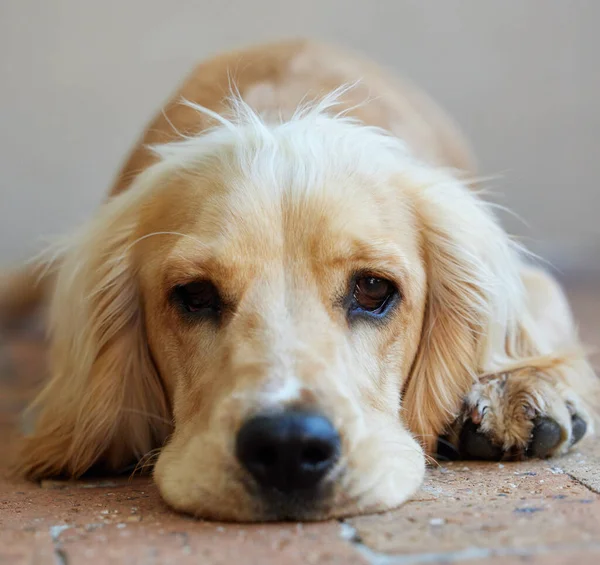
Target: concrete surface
[472,513]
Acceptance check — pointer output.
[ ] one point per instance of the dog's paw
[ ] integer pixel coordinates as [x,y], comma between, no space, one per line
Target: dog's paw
[516,416]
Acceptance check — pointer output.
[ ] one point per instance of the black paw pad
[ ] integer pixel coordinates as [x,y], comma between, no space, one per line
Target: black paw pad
[579,427]
[445,450]
[545,437]
[473,444]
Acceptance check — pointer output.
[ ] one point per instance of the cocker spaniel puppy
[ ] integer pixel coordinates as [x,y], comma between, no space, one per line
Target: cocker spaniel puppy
[292,292]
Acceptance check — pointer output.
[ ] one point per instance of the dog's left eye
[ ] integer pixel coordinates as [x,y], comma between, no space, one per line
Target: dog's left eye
[199,297]
[372,294]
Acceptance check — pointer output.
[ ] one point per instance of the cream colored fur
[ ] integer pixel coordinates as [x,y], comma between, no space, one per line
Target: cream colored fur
[279,201]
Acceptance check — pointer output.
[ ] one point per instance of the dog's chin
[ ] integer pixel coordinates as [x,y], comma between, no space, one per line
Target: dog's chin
[279,507]
[248,504]
[282,507]
[243,502]
[274,507]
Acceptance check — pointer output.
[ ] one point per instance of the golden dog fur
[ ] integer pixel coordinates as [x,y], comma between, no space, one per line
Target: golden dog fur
[279,196]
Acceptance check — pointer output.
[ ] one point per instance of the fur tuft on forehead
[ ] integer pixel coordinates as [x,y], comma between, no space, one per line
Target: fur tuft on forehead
[316,144]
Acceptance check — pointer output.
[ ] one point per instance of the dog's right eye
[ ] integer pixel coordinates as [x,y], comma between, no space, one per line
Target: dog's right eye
[199,298]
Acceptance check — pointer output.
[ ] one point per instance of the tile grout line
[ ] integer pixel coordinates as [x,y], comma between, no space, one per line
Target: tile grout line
[583,483]
[350,534]
[578,480]
[60,555]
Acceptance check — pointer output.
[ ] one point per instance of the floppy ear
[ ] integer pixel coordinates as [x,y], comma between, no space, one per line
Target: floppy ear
[105,403]
[474,315]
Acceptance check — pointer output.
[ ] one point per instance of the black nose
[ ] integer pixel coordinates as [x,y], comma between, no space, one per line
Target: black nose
[290,451]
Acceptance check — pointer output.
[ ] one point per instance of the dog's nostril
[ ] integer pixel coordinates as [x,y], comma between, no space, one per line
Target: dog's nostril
[266,455]
[290,451]
[316,454]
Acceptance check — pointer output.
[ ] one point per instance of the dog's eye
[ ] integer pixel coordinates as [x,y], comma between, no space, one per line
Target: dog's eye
[372,294]
[199,297]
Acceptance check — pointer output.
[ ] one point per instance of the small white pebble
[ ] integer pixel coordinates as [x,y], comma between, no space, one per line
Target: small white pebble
[465,469]
[437,522]
[220,529]
[512,485]
[541,481]
[103,511]
[500,465]
[121,525]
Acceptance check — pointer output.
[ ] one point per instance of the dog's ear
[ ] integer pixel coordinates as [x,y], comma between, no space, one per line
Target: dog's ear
[104,403]
[475,311]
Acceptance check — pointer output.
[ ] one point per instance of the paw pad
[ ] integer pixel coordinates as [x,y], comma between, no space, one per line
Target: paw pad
[474,444]
[545,437]
[579,427]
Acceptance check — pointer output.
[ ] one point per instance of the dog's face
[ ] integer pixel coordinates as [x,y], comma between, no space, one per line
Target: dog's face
[284,325]
[291,310]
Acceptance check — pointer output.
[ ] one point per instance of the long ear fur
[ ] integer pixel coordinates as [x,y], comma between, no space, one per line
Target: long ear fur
[105,403]
[475,318]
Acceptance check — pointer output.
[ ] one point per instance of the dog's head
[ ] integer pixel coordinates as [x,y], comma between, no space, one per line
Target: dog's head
[294,310]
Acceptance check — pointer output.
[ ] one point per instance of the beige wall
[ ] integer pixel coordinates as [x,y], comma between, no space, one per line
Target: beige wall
[79,78]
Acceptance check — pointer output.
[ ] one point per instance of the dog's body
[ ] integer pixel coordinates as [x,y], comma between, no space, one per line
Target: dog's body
[290,269]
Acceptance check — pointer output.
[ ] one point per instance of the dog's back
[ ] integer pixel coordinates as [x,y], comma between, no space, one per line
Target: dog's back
[278,78]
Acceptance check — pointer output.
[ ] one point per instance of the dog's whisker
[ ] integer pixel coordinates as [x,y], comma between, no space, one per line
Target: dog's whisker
[147,460]
[446,443]
[148,415]
[201,243]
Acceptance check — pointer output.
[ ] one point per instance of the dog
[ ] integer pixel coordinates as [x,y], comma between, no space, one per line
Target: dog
[293,290]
